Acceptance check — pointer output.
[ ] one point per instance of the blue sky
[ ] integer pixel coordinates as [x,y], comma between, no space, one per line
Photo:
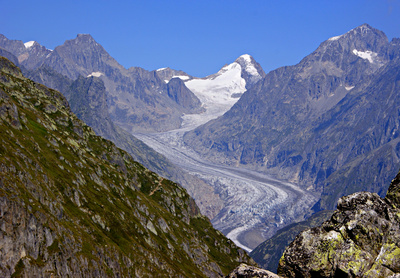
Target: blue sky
[198,37]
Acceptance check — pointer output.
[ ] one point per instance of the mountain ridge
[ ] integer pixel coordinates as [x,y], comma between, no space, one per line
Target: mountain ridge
[138,99]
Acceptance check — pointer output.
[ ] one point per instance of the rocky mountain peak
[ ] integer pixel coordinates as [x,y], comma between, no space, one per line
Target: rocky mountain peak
[81,56]
[359,52]
[84,38]
[251,70]
[362,38]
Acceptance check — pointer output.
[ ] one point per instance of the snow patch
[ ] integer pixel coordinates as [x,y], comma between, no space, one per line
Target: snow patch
[348,88]
[335,38]
[161,69]
[183,77]
[246,57]
[368,55]
[29,44]
[95,74]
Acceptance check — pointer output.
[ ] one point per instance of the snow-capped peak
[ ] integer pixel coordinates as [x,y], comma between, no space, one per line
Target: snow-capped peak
[217,92]
[248,65]
[29,44]
[246,57]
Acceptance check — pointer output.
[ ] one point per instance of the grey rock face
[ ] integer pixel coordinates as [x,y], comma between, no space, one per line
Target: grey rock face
[15,47]
[8,55]
[319,121]
[268,253]
[82,56]
[167,74]
[361,239]
[179,93]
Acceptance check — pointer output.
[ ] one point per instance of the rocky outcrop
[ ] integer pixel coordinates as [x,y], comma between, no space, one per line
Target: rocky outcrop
[362,239]
[73,204]
[247,271]
[268,253]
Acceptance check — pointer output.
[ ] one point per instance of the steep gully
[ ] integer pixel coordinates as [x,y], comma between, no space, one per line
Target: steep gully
[255,205]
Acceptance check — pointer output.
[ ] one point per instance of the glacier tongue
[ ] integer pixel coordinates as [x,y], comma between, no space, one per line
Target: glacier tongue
[255,205]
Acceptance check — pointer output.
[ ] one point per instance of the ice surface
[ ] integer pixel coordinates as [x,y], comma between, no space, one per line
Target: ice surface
[251,199]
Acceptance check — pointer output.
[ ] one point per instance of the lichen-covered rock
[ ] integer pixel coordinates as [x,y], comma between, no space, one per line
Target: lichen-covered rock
[247,271]
[362,239]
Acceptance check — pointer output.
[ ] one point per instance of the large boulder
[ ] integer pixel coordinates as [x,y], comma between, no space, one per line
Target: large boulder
[362,239]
